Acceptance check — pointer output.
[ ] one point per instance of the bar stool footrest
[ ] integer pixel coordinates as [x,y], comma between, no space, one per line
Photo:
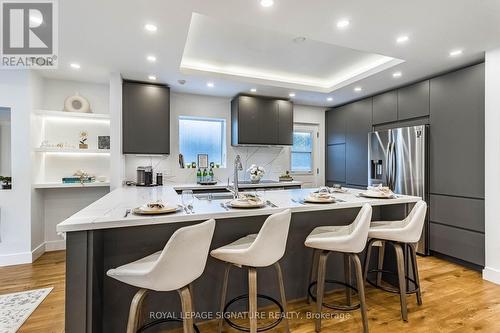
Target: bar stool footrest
[162,321]
[336,306]
[245,328]
[390,289]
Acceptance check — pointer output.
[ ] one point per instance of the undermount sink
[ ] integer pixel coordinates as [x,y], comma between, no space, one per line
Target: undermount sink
[214,196]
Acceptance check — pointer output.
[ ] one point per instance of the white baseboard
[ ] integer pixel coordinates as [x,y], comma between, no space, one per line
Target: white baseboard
[16,259]
[29,257]
[491,274]
[56,245]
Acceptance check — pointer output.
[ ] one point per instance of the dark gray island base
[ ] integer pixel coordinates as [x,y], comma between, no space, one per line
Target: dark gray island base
[97,303]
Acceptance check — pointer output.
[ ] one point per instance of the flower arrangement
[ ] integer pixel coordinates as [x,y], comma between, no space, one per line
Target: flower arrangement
[83,140]
[256,173]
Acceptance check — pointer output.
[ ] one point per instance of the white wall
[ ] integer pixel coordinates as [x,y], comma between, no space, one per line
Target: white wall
[491,271]
[276,160]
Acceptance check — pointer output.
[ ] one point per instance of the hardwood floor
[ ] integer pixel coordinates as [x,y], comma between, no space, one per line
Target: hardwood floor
[455,299]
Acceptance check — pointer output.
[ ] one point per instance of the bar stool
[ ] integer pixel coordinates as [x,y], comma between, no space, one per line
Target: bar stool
[257,250]
[401,235]
[351,241]
[181,261]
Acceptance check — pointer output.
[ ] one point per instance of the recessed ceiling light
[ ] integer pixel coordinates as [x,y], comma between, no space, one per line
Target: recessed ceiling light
[253,90]
[266,3]
[342,24]
[291,94]
[329,99]
[151,58]
[210,84]
[456,53]
[402,39]
[151,27]
[75,65]
[397,74]
[358,89]
[152,77]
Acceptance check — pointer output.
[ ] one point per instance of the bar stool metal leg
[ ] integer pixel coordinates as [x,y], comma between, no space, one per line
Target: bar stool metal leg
[380,263]
[282,295]
[223,295]
[313,273]
[347,278]
[320,288]
[252,298]
[135,310]
[413,250]
[361,290]
[402,280]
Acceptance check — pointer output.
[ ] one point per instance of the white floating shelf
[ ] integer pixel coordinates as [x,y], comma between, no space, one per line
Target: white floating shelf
[71,151]
[64,114]
[76,185]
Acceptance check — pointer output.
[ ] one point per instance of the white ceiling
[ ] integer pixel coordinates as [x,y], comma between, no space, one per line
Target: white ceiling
[108,36]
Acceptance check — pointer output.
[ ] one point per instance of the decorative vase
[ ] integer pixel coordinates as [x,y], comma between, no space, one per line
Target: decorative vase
[255,179]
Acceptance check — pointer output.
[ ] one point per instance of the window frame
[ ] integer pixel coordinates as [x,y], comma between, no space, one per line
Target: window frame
[312,133]
[223,122]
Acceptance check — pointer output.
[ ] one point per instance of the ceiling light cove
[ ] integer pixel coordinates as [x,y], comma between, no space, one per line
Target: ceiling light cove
[152,77]
[291,94]
[402,39]
[343,23]
[397,74]
[151,58]
[358,89]
[456,53]
[266,3]
[150,27]
[210,84]
[74,65]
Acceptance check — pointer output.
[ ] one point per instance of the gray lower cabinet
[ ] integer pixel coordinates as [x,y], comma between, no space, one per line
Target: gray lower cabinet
[457,243]
[385,107]
[457,212]
[358,125]
[457,133]
[413,101]
[146,118]
[335,156]
[336,125]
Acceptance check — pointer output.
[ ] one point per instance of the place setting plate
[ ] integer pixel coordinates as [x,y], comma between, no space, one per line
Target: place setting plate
[245,203]
[156,209]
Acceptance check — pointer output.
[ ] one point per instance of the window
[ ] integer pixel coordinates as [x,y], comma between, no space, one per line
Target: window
[302,152]
[202,136]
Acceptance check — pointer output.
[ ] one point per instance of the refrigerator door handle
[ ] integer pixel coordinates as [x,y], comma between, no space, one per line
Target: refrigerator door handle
[391,165]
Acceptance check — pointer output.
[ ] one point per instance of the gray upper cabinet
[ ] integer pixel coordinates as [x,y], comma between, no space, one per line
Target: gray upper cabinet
[413,101]
[385,107]
[261,121]
[457,133]
[336,125]
[285,122]
[146,118]
[358,125]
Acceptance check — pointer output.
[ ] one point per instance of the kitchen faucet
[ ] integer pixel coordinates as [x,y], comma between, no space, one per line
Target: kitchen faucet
[237,167]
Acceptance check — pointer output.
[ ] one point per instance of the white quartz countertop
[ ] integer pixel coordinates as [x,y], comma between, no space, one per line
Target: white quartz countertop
[108,212]
[221,185]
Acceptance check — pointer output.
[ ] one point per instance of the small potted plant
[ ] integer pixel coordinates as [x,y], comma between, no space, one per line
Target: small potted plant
[256,173]
[6,183]
[83,140]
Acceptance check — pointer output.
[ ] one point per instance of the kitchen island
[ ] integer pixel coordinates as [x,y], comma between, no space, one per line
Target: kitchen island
[100,237]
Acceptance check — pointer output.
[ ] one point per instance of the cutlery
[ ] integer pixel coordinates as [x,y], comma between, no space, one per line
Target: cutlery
[224,206]
[127,212]
[299,202]
[190,207]
[184,208]
[269,203]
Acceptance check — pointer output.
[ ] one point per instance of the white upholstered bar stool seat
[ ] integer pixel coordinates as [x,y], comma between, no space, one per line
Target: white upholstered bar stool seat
[181,261]
[400,234]
[350,240]
[252,251]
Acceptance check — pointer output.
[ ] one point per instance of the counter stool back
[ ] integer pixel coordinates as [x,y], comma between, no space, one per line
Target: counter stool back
[181,261]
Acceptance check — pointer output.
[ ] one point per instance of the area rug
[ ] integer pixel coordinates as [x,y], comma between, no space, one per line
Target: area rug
[15,308]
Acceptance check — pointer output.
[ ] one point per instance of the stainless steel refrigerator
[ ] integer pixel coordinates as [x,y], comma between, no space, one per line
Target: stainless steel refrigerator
[399,158]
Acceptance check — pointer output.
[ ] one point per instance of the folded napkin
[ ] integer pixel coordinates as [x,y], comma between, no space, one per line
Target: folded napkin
[321,195]
[155,205]
[381,189]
